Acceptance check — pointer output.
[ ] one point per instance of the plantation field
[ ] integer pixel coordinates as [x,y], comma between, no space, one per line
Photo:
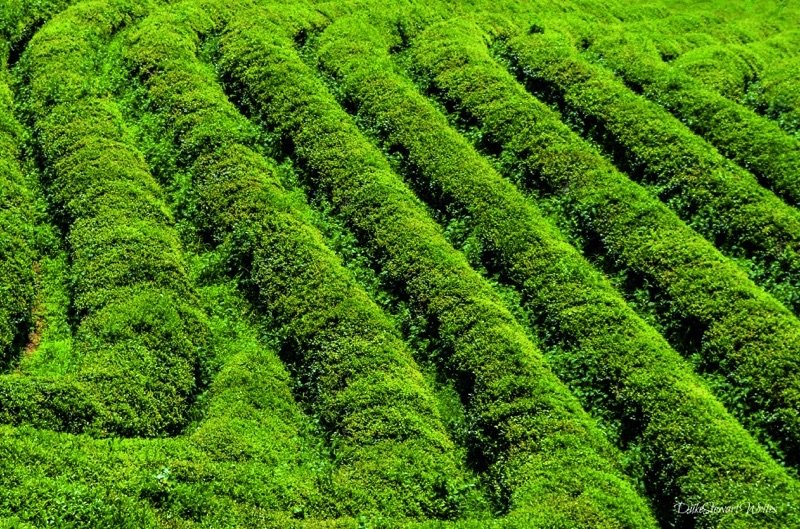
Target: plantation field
[424,264]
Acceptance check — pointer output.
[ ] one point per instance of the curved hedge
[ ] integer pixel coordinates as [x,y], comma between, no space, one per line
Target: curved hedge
[391,454]
[20,19]
[603,340]
[692,282]
[723,203]
[760,75]
[524,420]
[250,462]
[739,72]
[140,337]
[16,235]
[777,94]
[755,143]
[720,68]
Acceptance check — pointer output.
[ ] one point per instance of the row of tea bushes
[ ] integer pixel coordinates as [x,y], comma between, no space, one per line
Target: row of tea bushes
[578,309]
[690,280]
[390,453]
[548,463]
[141,339]
[720,201]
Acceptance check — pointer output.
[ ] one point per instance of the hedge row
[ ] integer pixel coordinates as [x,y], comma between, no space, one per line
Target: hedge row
[731,68]
[728,70]
[679,31]
[723,203]
[64,480]
[760,74]
[547,462]
[698,291]
[245,464]
[250,461]
[741,72]
[141,341]
[391,453]
[254,458]
[387,440]
[777,94]
[754,142]
[656,401]
[20,19]
[16,235]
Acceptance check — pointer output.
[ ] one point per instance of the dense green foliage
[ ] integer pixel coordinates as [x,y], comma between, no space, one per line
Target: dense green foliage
[140,336]
[20,19]
[755,143]
[569,300]
[524,418]
[761,74]
[777,94]
[694,288]
[389,446]
[722,202]
[16,234]
[334,264]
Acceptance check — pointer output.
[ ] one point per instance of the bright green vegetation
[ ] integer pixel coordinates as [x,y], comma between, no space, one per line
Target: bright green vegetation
[401,264]
[777,94]
[760,74]
[755,143]
[140,338]
[16,236]
[389,447]
[695,290]
[523,418]
[569,300]
[722,202]
[20,19]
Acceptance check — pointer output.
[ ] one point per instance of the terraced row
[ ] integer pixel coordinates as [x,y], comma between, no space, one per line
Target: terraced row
[391,452]
[721,202]
[16,234]
[571,305]
[700,294]
[757,144]
[751,62]
[140,337]
[178,223]
[760,75]
[754,142]
[524,419]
